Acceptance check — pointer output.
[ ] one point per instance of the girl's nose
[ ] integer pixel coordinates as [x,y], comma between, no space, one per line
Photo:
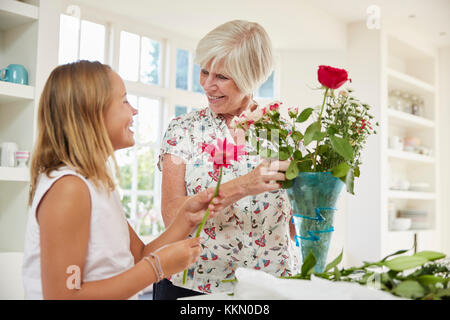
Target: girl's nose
[134,111]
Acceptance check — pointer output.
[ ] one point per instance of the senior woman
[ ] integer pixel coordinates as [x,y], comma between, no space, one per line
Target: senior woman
[252,230]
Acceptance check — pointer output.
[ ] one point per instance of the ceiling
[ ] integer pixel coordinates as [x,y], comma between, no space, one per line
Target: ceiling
[292,24]
[426,20]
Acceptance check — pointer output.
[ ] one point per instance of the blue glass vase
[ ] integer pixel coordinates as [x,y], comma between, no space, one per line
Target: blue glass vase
[313,198]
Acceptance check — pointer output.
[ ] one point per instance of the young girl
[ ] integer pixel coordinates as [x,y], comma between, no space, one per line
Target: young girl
[78,243]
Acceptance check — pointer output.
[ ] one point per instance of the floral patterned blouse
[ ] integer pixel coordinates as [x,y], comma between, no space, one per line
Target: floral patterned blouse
[251,233]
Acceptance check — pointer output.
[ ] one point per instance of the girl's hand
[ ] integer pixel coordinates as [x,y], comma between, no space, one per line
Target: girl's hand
[194,207]
[178,256]
[263,178]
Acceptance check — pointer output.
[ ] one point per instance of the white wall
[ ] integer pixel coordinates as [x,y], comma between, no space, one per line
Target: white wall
[444,97]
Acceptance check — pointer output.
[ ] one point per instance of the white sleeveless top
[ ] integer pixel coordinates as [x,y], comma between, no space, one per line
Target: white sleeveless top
[109,241]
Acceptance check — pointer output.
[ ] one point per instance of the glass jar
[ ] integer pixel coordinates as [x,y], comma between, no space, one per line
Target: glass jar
[415,106]
[397,100]
[391,99]
[392,214]
[421,107]
[406,102]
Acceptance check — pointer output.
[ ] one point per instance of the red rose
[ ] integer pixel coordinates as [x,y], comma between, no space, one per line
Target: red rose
[331,77]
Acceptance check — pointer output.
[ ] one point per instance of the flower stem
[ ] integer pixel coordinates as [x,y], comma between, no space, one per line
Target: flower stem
[205,216]
[320,126]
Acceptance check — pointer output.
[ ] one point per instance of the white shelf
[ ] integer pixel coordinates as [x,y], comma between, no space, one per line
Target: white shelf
[400,194]
[395,65]
[409,156]
[409,120]
[14,13]
[13,92]
[14,174]
[407,80]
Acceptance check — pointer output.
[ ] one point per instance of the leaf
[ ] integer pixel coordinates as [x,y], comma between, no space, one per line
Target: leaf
[409,289]
[356,172]
[342,147]
[443,293]
[323,148]
[309,263]
[350,181]
[405,263]
[265,152]
[428,279]
[334,263]
[394,254]
[304,115]
[286,184]
[285,153]
[318,136]
[292,170]
[297,136]
[298,155]
[340,170]
[310,133]
[337,274]
[430,255]
[305,166]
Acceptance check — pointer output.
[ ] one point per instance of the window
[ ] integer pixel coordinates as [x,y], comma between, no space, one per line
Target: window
[180,110]
[139,58]
[138,176]
[182,69]
[266,90]
[84,41]
[187,72]
[196,87]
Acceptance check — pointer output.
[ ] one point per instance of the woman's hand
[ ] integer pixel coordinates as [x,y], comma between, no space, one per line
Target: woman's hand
[263,178]
[178,256]
[192,211]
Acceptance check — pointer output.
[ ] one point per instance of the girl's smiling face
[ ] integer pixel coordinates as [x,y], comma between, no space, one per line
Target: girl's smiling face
[119,115]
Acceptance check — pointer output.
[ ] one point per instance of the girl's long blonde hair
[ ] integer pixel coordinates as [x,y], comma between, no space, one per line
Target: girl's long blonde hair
[71,127]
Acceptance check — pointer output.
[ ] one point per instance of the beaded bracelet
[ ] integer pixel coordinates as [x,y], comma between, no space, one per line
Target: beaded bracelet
[158,278]
[158,265]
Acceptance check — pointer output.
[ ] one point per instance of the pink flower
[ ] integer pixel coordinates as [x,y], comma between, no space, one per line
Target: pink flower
[224,153]
[249,117]
[274,106]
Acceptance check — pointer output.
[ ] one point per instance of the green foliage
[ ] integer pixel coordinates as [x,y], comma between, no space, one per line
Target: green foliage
[418,276]
[332,142]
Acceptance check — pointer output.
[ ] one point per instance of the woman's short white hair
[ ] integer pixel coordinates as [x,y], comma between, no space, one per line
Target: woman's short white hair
[245,48]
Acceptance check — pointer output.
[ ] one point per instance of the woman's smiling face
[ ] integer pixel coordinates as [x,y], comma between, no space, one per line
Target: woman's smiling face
[223,95]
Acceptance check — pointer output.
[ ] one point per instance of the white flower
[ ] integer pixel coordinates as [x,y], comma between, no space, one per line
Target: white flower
[235,122]
[255,115]
[293,112]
